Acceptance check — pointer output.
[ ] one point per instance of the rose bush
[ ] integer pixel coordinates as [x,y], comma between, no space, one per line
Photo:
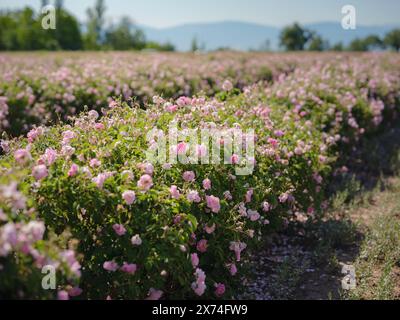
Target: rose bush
[45,88]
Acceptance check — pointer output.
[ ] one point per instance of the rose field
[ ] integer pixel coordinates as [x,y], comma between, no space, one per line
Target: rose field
[79,195]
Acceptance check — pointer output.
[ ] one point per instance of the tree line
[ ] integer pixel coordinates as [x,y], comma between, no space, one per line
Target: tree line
[297,38]
[22,30]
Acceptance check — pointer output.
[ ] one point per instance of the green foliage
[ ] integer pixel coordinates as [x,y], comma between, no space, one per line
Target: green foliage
[318,44]
[151,45]
[95,25]
[122,37]
[194,45]
[22,30]
[369,43]
[392,40]
[338,47]
[295,37]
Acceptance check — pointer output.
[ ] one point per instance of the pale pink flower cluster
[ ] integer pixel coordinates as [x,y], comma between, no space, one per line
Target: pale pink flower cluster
[199,286]
[34,134]
[101,179]
[20,237]
[175,194]
[253,215]
[69,257]
[95,163]
[22,156]
[49,157]
[112,266]
[68,136]
[73,170]
[12,196]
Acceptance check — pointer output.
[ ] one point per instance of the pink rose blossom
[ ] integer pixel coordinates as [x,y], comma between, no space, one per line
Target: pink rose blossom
[112,104]
[129,196]
[62,295]
[154,294]
[129,268]
[253,215]
[99,126]
[22,156]
[228,195]
[40,172]
[136,240]
[145,182]
[211,229]
[279,133]
[68,136]
[34,134]
[199,286]
[149,168]
[174,192]
[50,156]
[266,206]
[119,229]
[273,142]
[169,107]
[5,146]
[219,289]
[202,246]
[195,260]
[193,196]
[95,163]
[101,179]
[111,266]
[75,292]
[249,195]
[93,115]
[233,269]
[207,184]
[73,170]
[67,151]
[183,101]
[227,85]
[213,203]
[189,176]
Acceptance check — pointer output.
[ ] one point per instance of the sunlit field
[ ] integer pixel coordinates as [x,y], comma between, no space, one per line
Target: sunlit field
[80,195]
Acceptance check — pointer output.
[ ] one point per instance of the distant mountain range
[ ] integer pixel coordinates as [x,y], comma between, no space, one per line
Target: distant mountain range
[245,36]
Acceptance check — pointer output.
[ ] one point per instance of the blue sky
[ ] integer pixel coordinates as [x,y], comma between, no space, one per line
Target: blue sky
[163,13]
